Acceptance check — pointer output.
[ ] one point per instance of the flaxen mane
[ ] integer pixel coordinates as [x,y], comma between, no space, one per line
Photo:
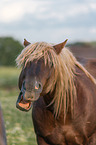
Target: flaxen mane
[64,72]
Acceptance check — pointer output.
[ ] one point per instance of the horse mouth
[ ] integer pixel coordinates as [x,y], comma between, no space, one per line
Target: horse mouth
[22,104]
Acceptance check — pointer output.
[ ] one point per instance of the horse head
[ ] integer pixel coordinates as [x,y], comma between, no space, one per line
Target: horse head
[33,79]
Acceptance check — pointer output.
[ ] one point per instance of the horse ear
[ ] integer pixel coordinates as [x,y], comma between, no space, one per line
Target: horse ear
[60,46]
[26,43]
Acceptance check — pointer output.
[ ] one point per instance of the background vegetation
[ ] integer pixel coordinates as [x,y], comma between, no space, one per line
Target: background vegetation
[18,124]
[9,49]
[19,127]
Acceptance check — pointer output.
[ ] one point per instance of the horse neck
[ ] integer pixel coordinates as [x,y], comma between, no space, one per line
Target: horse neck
[82,84]
[48,100]
[84,89]
[82,80]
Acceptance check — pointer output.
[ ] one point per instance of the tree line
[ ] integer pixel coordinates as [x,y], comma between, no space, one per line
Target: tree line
[9,50]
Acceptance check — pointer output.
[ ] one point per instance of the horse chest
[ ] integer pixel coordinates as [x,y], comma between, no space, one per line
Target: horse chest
[64,135]
[48,129]
[52,131]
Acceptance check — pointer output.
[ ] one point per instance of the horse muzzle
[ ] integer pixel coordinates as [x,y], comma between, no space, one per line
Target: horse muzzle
[28,95]
[22,104]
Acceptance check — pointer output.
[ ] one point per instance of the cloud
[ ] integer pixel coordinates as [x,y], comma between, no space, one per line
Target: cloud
[93,30]
[15,10]
[51,20]
[11,11]
[93,6]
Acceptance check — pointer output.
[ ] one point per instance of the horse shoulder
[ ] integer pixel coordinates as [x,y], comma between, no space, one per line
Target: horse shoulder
[50,129]
[45,124]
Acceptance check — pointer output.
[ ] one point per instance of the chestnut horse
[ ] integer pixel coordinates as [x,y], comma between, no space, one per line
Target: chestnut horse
[62,93]
[3,140]
[89,64]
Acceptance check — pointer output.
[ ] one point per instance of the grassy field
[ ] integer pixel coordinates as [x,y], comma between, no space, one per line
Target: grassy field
[18,124]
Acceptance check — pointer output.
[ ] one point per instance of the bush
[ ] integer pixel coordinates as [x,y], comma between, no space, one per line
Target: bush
[9,50]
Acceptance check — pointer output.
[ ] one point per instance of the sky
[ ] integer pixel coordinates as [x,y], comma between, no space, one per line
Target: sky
[48,20]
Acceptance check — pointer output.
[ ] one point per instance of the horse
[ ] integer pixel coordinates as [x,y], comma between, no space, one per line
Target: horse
[3,140]
[89,64]
[61,92]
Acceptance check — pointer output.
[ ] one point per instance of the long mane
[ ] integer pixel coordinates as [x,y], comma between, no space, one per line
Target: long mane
[64,73]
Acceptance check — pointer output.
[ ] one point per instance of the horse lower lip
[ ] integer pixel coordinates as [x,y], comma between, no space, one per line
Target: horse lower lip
[23,104]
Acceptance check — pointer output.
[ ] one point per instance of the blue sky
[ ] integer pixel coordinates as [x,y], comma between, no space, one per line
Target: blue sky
[48,20]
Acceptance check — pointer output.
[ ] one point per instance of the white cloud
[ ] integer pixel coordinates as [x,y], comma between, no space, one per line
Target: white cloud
[93,6]
[12,11]
[61,12]
[93,30]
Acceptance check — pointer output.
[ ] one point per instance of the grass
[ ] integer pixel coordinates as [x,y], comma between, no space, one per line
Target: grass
[18,124]
[9,77]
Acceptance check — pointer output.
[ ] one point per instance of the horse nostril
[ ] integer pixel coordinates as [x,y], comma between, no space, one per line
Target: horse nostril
[38,86]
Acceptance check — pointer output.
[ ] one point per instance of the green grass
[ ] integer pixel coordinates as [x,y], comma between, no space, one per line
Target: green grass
[18,124]
[9,77]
